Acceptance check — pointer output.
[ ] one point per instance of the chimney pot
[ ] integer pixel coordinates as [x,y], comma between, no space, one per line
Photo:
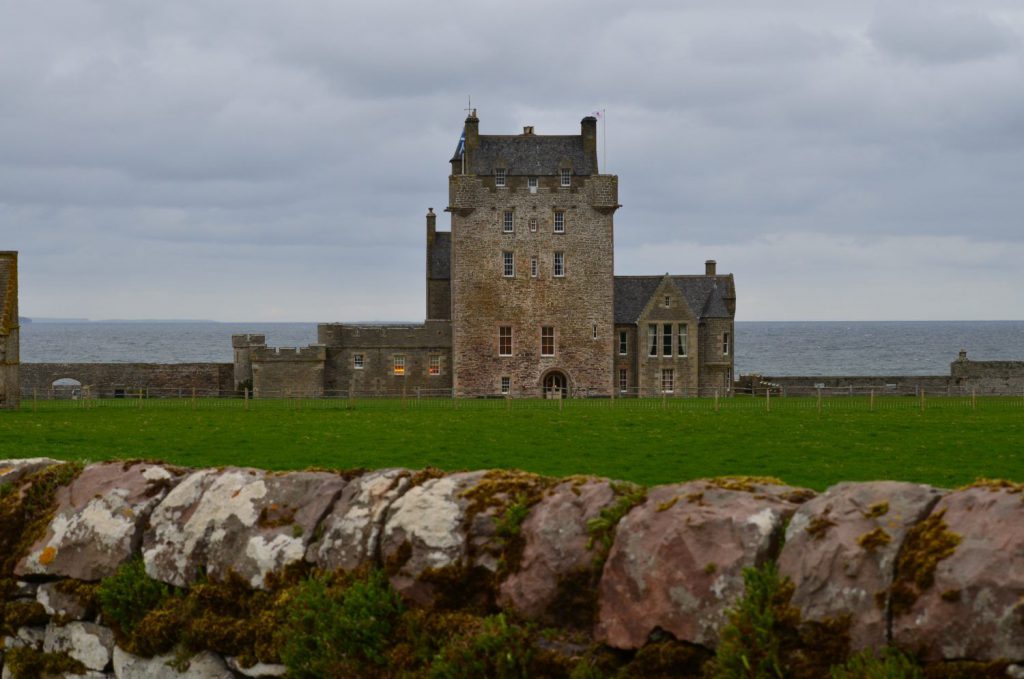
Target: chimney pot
[710,267]
[527,129]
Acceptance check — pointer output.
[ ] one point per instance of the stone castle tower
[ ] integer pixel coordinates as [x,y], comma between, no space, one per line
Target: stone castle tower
[531,262]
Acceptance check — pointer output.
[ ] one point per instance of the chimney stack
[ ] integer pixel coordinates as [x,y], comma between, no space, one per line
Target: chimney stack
[709,267]
[588,130]
[527,130]
[431,225]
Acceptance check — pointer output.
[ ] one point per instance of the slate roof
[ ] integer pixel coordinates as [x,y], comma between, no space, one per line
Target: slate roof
[705,295]
[441,256]
[529,154]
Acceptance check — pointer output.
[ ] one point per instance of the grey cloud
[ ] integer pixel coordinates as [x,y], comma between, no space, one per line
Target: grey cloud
[930,33]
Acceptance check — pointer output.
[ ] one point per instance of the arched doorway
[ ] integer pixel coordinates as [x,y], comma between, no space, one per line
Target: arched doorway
[66,388]
[556,384]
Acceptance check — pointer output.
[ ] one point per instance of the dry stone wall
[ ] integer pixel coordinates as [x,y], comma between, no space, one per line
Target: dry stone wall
[935,572]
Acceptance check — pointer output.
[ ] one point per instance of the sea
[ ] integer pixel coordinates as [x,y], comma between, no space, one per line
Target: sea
[763,347]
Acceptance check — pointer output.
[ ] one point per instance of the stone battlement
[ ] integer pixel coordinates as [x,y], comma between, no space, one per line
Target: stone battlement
[313,352]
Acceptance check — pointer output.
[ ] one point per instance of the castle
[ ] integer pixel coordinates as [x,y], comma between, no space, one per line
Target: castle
[521,296]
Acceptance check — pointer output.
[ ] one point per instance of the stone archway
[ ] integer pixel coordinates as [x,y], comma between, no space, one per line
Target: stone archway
[555,384]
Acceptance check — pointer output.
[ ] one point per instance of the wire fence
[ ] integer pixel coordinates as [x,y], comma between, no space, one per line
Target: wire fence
[710,400]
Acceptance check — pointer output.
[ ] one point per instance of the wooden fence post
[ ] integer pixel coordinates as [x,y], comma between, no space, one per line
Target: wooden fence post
[768,400]
[246,398]
[193,398]
[922,400]
[974,398]
[871,402]
[716,400]
[819,401]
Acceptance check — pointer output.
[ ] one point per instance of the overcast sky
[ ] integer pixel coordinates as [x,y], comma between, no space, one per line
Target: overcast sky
[256,160]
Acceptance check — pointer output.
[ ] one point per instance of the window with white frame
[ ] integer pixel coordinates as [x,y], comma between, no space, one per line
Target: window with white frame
[652,339]
[666,339]
[398,365]
[682,339]
[507,222]
[357,361]
[623,380]
[559,264]
[506,385]
[667,301]
[547,340]
[623,343]
[505,340]
[668,380]
[725,344]
[531,183]
[533,224]
[499,177]
[534,266]
[565,177]
[508,264]
[434,367]
[559,221]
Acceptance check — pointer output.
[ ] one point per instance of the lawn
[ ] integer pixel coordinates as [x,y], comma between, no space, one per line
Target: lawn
[944,446]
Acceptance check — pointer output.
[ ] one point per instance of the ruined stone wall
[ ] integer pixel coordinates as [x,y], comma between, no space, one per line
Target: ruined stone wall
[907,565]
[9,332]
[106,379]
[378,346]
[483,299]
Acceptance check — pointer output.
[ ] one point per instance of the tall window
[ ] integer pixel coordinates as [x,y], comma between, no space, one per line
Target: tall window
[399,364]
[499,177]
[682,339]
[531,182]
[667,380]
[547,340]
[357,361]
[623,343]
[506,385]
[559,264]
[533,266]
[507,225]
[666,339]
[595,331]
[434,367]
[565,177]
[652,339]
[508,265]
[725,344]
[623,380]
[533,224]
[505,340]
[559,221]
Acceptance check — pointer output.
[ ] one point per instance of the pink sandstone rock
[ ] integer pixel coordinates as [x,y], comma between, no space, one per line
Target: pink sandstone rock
[556,537]
[247,521]
[677,561]
[12,471]
[975,608]
[98,521]
[841,549]
[352,530]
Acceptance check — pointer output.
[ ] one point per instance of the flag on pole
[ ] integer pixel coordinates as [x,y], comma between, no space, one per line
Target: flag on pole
[596,114]
[462,144]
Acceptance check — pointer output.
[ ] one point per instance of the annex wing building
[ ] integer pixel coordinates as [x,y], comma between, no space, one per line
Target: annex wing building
[522,296]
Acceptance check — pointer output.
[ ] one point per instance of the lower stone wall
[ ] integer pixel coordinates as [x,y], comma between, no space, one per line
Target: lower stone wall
[597,564]
[882,385]
[106,380]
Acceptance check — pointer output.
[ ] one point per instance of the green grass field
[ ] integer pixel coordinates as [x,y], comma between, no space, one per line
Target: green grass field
[948,444]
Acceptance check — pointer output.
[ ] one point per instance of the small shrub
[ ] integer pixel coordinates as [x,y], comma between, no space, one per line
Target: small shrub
[333,631]
[29,663]
[891,664]
[129,595]
[497,650]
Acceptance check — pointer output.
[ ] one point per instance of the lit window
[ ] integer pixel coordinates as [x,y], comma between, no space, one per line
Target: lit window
[725,344]
[508,264]
[399,365]
[682,339]
[533,266]
[547,341]
[434,367]
[565,177]
[559,264]
[623,343]
[652,339]
[531,182]
[505,340]
[507,224]
[559,221]
[533,224]
[667,380]
[506,385]
[623,380]
[357,361]
[499,177]
[666,340]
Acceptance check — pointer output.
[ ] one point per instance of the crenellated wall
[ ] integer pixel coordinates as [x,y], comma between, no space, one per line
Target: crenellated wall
[107,380]
[924,569]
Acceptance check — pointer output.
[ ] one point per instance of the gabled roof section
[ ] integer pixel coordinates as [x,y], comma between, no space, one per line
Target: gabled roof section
[441,256]
[530,154]
[706,295]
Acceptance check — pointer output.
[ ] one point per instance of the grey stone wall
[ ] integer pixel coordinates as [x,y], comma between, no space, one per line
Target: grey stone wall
[483,299]
[716,365]
[106,379]
[285,372]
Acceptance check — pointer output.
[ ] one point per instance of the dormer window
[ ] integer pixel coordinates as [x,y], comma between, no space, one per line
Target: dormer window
[499,177]
[531,183]
[565,177]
